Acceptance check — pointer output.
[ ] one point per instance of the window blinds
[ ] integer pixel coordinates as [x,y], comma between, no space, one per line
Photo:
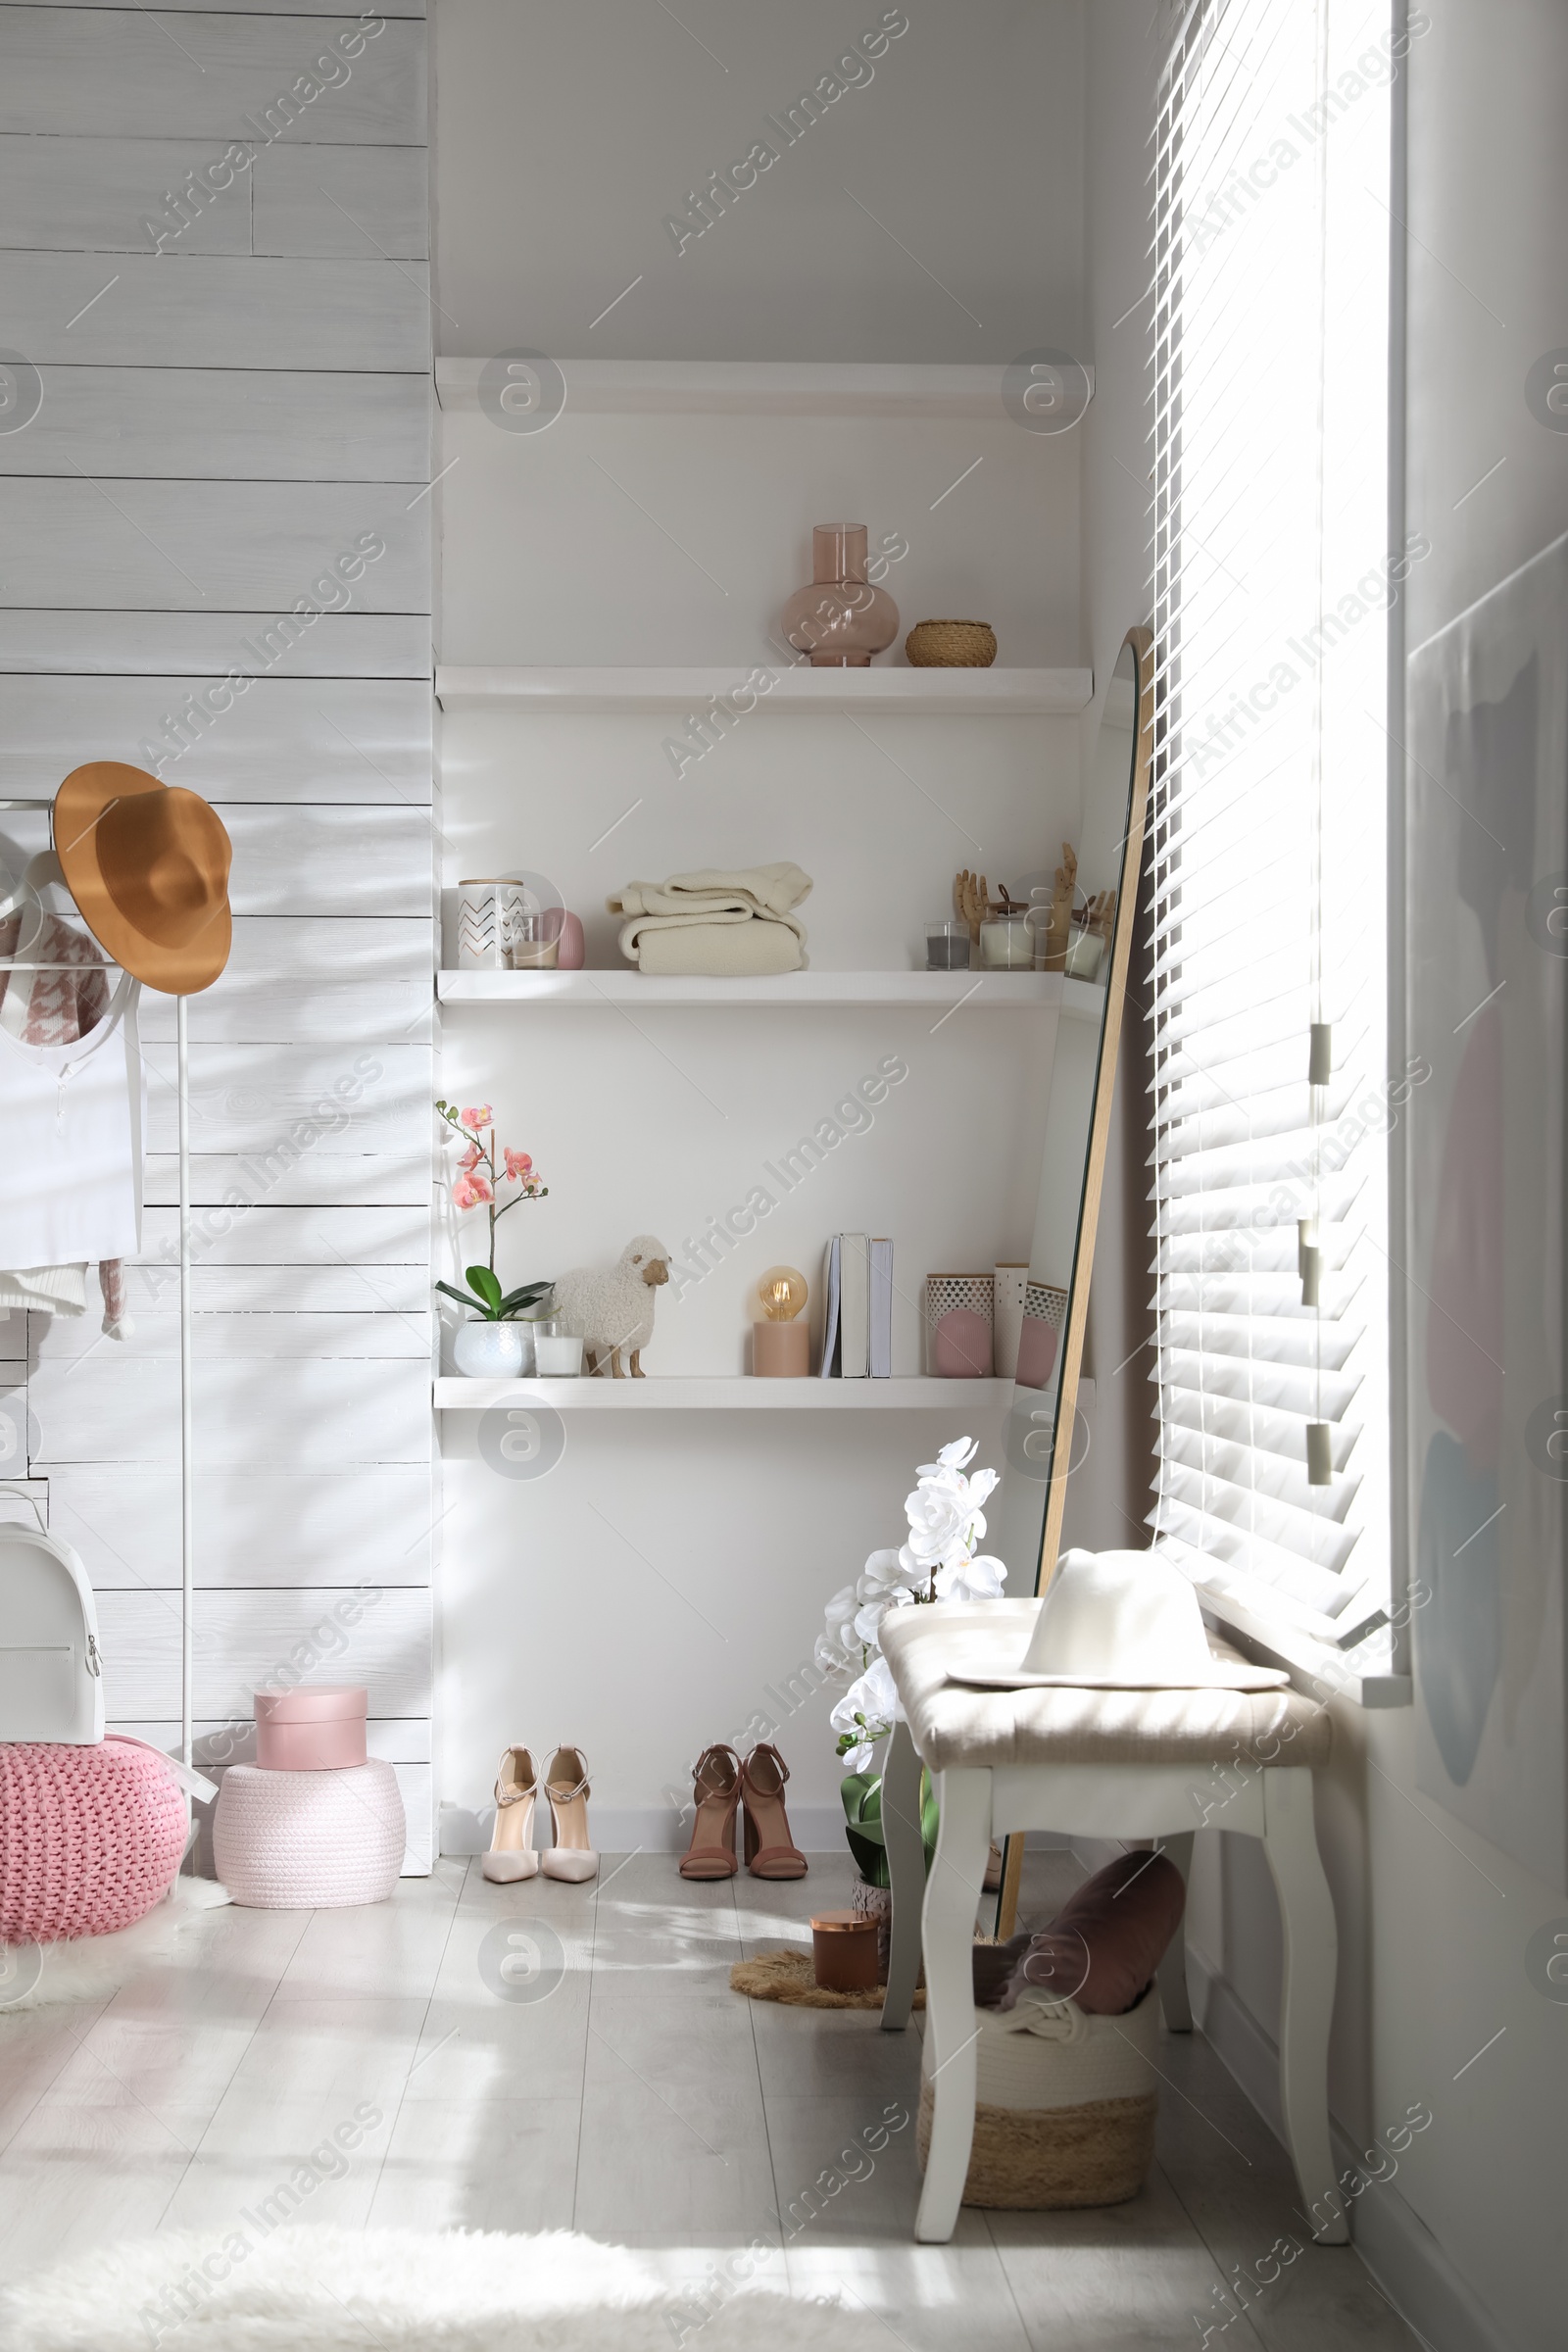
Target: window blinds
[1267,816]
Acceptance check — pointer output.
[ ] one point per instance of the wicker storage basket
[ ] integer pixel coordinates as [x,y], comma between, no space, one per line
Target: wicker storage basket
[309,1840]
[1065,2113]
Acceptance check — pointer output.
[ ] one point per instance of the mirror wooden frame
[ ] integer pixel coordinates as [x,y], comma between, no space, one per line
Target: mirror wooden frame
[1076,1323]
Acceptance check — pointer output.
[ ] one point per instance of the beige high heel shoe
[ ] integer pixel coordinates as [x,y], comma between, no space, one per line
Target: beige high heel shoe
[571,1857]
[512,1853]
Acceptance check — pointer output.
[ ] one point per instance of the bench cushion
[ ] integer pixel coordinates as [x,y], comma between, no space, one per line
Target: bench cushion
[957,1728]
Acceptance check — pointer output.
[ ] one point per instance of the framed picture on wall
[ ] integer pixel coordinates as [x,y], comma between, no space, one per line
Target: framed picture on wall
[1486,1299]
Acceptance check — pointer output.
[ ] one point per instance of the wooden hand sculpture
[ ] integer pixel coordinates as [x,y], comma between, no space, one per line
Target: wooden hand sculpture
[1102,914]
[971,903]
[1059,926]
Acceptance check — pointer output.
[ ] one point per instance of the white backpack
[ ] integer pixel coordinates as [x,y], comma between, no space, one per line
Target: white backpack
[51,1674]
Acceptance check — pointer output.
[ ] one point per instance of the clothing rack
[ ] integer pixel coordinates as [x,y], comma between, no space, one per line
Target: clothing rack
[187,1552]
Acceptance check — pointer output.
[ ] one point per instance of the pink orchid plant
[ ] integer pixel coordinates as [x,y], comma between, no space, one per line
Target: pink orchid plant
[478,1184]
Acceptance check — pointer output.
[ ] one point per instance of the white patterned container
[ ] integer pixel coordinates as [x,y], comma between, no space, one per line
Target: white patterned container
[1009,1283]
[959,1311]
[488,911]
[309,1840]
[1044,1311]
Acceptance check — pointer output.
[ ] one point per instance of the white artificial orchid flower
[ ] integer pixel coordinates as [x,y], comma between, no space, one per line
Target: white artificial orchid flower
[832,1659]
[957,1456]
[868,1708]
[937,1563]
[885,1574]
[979,1579]
[840,1618]
[868,1617]
[939,1521]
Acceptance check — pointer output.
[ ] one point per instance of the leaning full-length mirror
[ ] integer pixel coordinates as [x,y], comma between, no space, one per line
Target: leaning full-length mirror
[1026,1526]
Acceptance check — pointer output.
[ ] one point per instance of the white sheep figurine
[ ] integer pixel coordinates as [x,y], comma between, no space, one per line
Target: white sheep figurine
[611,1308]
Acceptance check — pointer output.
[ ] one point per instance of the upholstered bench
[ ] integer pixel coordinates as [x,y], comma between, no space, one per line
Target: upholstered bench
[1125,1764]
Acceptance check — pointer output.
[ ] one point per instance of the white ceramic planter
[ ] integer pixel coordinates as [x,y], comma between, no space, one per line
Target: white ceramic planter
[489,1351]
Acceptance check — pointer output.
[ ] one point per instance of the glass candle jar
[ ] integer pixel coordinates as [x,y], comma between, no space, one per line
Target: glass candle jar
[557,1354]
[533,940]
[946,947]
[1007,943]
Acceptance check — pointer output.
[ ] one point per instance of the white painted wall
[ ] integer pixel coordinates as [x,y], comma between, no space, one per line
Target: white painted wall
[1434,1922]
[650,1591]
[934,212]
[221,421]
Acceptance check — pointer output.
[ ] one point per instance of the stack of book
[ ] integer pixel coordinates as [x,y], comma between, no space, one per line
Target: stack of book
[858,1322]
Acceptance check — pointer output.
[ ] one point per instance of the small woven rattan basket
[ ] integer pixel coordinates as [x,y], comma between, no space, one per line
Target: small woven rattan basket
[952,645]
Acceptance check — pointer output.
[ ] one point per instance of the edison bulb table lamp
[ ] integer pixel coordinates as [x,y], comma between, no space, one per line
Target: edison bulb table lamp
[781,1346]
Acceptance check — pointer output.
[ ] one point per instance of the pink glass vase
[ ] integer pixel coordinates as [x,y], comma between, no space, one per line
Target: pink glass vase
[841,620]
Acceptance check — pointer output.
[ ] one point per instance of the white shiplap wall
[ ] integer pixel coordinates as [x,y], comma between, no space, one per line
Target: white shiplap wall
[220,423]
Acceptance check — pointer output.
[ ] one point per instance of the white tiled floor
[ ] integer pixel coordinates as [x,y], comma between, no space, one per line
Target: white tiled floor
[630,2095]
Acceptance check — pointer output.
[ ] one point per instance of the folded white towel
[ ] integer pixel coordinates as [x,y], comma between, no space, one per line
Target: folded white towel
[752,907]
[723,951]
[768,891]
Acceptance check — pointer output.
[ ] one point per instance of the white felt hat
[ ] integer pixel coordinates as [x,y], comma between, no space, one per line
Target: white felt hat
[1123,1621]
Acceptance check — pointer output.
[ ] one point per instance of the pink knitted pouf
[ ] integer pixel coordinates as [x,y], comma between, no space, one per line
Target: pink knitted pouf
[90,1838]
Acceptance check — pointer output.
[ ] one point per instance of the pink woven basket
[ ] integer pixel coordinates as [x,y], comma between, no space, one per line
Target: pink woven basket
[90,1838]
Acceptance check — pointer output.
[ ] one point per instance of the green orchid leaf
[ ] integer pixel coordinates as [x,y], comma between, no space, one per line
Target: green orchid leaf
[525,1296]
[484,1284]
[869,1860]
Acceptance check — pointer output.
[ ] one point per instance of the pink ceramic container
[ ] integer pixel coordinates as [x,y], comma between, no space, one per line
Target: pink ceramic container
[318,1728]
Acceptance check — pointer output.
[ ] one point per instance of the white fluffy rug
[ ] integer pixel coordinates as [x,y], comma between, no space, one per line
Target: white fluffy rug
[89,1967]
[341,2290]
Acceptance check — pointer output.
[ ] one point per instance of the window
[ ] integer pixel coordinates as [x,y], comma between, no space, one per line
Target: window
[1273,581]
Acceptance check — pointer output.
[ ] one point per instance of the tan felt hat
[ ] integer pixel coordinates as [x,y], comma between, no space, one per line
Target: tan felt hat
[147,865]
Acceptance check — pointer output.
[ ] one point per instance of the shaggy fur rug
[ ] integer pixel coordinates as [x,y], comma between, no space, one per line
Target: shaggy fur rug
[791,1977]
[89,1967]
[342,2290]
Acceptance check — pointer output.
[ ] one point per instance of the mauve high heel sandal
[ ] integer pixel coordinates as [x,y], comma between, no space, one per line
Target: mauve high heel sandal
[770,1850]
[716,1794]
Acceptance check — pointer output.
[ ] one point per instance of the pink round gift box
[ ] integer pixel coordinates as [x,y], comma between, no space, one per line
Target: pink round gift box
[318,1728]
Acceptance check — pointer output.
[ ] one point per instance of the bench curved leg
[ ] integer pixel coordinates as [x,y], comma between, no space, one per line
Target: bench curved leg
[951,1897]
[1175,2005]
[901,1832]
[1307,2010]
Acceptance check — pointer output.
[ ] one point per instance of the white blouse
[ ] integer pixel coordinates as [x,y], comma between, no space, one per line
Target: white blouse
[71,1125]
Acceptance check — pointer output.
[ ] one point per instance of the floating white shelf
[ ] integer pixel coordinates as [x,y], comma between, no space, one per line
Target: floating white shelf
[753,388]
[1076,999]
[654,1394]
[953,692]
